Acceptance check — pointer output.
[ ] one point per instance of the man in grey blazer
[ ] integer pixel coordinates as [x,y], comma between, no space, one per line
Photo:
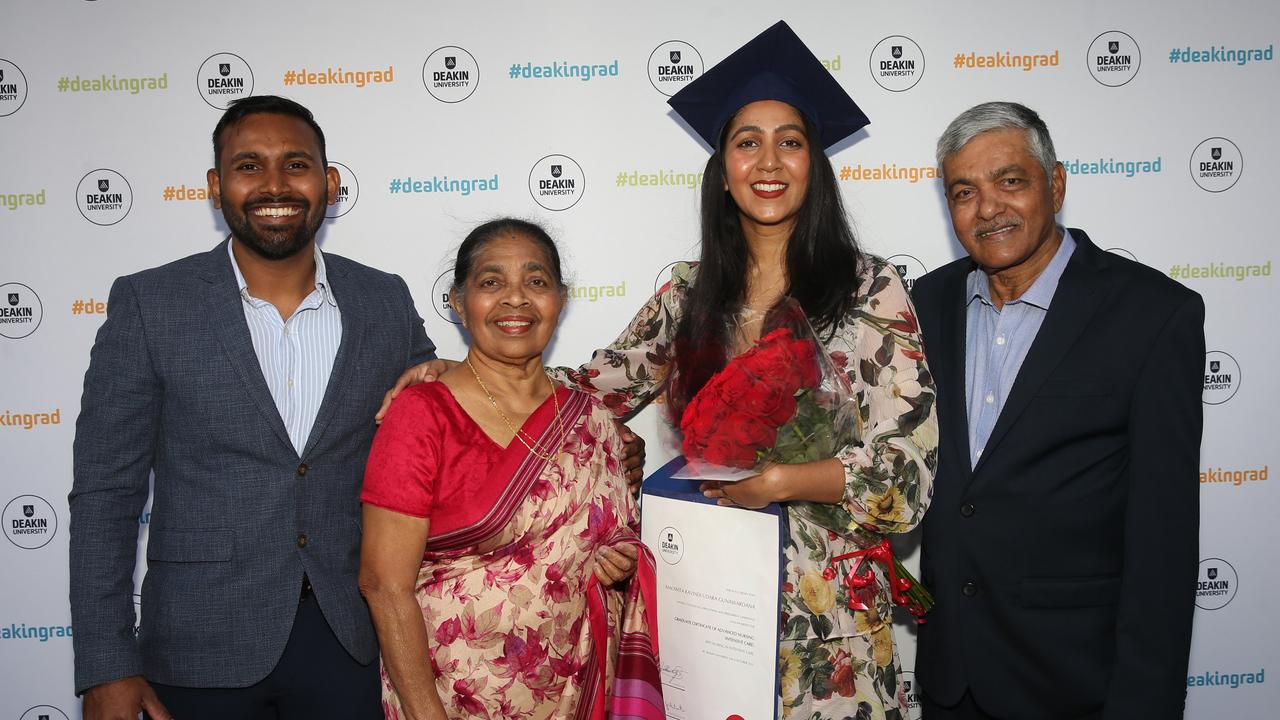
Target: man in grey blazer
[246,379]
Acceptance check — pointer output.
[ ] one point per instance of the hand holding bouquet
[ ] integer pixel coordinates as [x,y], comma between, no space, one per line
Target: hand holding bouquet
[783,401]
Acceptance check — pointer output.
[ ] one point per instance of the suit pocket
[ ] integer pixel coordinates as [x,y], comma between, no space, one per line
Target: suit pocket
[1070,592]
[192,545]
[1074,387]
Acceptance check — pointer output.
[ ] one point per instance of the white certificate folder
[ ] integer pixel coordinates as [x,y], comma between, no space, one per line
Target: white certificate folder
[719,574]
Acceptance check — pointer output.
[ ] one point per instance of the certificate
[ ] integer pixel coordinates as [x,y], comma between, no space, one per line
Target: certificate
[719,574]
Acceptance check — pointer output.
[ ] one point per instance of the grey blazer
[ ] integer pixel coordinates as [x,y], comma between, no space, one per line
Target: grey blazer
[174,387]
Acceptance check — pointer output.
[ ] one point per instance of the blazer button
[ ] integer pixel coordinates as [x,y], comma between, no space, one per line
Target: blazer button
[967,510]
[302,540]
[302,469]
[969,589]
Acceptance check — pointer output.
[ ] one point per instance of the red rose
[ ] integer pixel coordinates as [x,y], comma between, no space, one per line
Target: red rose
[733,384]
[785,410]
[723,450]
[752,433]
[840,359]
[763,402]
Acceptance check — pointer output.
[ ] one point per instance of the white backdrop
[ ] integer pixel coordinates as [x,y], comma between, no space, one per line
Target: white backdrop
[115,95]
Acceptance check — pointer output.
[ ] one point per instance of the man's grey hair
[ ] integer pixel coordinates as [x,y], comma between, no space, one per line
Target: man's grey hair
[999,116]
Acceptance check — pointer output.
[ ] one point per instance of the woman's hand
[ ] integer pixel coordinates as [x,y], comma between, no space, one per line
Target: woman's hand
[632,457]
[818,481]
[614,564]
[753,492]
[426,372]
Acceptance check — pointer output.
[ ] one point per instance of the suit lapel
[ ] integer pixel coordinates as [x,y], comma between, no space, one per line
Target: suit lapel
[354,319]
[952,362]
[1074,303]
[222,298]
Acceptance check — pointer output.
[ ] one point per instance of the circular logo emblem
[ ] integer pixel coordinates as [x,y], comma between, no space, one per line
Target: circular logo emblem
[348,192]
[670,545]
[440,298]
[556,182]
[1114,58]
[450,74]
[909,269]
[44,712]
[1216,164]
[29,522]
[907,680]
[897,63]
[224,77]
[1216,584]
[1123,253]
[664,276]
[1221,377]
[20,311]
[104,197]
[672,65]
[13,88]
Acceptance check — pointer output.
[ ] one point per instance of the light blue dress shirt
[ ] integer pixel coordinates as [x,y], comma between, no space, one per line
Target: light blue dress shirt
[296,356]
[997,341]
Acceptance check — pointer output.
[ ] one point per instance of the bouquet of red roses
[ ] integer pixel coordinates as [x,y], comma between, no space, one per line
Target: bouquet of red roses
[783,401]
[733,422]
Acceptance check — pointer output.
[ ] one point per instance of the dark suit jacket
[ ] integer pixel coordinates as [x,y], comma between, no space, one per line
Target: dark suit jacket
[1064,563]
[174,387]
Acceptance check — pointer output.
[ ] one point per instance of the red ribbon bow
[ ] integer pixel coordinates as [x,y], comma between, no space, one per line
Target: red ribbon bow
[862,576]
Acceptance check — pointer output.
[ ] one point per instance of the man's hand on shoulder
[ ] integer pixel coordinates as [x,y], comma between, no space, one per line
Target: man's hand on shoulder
[426,372]
[122,700]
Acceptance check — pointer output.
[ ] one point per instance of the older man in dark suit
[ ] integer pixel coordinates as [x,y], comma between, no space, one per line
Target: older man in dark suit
[246,378]
[1062,540]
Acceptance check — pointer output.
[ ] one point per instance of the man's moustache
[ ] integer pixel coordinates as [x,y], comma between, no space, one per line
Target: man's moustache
[988,228]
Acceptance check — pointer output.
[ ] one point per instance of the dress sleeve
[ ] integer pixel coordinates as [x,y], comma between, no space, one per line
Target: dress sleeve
[631,371]
[404,460]
[889,472]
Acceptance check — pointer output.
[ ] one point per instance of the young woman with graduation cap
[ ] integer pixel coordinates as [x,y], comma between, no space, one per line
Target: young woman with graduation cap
[773,227]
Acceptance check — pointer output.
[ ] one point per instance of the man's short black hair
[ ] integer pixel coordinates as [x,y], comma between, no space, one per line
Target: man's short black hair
[259,104]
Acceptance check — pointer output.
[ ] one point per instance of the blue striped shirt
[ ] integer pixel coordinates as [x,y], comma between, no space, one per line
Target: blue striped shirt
[997,341]
[296,356]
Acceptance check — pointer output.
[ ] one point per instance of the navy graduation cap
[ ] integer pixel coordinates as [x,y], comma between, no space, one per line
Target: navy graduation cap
[775,65]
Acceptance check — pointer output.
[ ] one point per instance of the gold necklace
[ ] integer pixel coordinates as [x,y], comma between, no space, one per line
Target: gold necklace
[519,433]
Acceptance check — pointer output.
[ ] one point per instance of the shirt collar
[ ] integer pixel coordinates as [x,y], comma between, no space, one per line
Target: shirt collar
[322,278]
[1040,294]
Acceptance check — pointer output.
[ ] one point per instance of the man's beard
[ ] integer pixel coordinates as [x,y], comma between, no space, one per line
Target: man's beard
[272,245]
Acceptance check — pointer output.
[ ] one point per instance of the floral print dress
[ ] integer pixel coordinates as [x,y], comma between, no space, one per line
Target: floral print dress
[835,662]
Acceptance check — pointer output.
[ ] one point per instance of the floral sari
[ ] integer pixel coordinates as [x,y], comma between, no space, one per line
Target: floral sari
[518,625]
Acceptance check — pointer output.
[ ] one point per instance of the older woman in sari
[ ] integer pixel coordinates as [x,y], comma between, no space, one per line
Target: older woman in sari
[498,529]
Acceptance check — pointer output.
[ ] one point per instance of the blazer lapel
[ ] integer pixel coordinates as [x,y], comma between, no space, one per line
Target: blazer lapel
[222,298]
[952,362]
[1074,303]
[354,319]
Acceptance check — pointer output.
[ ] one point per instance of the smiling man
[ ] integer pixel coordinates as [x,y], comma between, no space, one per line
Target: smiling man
[1062,540]
[246,379]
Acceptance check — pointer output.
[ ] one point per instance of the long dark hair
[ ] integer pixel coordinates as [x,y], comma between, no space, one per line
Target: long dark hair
[823,265]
